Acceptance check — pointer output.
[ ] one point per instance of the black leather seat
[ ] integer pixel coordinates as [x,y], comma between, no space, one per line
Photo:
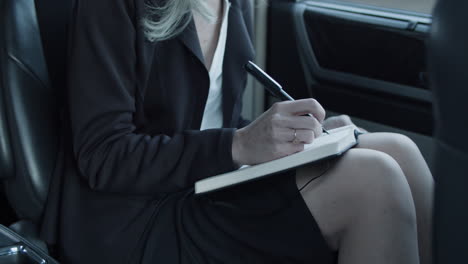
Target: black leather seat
[448,58]
[28,114]
[53,17]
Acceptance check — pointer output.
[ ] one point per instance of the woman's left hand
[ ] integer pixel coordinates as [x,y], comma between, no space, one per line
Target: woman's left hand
[339,121]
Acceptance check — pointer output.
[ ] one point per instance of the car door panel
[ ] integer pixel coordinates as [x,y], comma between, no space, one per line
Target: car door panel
[368,63]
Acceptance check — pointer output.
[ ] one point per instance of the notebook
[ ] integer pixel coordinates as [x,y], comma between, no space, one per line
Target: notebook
[327,146]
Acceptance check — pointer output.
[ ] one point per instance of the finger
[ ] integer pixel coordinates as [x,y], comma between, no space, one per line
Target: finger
[297,122]
[317,128]
[288,135]
[295,136]
[296,148]
[293,148]
[304,106]
[343,120]
[284,135]
[304,136]
[314,127]
[337,121]
[286,149]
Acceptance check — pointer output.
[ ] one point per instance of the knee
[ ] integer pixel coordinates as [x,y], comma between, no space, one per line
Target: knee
[375,167]
[382,188]
[400,144]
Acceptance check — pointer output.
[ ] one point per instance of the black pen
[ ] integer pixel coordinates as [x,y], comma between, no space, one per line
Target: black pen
[270,84]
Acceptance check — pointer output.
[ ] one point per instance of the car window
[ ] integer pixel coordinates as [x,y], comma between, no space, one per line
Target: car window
[420,6]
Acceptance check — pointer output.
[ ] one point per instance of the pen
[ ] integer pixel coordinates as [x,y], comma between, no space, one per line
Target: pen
[270,84]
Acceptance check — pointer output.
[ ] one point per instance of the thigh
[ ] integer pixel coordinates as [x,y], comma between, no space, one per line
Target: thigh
[307,174]
[355,181]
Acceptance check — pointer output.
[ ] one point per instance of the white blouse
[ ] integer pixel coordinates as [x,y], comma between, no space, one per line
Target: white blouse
[213,114]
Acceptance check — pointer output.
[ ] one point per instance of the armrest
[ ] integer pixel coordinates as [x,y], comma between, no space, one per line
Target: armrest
[29,231]
[16,249]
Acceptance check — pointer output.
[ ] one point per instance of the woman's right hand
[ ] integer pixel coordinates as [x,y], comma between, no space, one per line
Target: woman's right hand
[272,135]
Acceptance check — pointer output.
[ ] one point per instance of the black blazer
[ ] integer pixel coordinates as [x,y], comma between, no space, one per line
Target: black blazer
[131,131]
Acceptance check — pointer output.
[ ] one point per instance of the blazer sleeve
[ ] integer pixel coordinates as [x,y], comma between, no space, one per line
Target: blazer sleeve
[110,155]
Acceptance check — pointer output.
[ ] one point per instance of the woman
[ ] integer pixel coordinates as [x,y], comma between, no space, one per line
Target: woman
[154,105]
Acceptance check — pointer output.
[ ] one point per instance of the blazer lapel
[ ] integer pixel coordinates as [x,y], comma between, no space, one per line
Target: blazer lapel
[189,38]
[239,50]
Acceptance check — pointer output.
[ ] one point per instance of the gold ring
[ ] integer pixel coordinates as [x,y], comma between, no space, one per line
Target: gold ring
[295,140]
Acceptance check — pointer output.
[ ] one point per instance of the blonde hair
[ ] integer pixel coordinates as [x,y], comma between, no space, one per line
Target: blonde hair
[169,19]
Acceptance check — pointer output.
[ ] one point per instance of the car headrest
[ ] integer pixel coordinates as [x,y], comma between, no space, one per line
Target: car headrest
[448,57]
[29,112]
[448,65]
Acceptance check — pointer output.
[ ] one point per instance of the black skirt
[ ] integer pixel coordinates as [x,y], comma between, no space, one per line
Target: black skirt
[266,221]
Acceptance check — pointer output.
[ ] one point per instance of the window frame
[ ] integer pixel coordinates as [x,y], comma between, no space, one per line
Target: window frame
[370,9]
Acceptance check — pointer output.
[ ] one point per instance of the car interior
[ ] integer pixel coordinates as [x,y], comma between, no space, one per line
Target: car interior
[388,68]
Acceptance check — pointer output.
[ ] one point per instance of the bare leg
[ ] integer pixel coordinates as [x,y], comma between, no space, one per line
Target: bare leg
[364,208]
[419,177]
